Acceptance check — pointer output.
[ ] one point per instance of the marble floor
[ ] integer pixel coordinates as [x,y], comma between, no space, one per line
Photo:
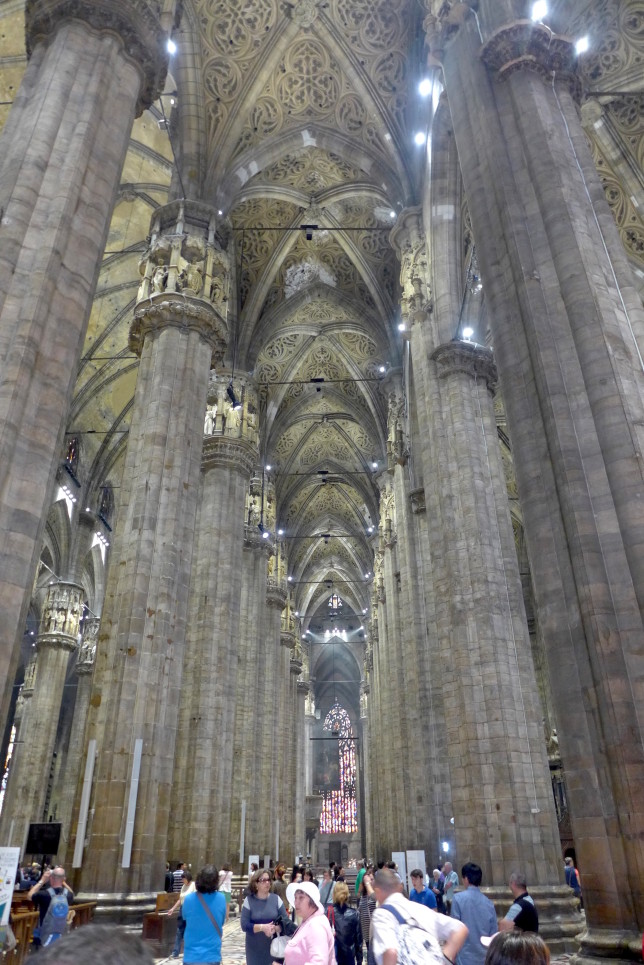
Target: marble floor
[233,948]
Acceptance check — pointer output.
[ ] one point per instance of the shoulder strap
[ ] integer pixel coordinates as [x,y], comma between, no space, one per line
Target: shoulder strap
[209,913]
[394,911]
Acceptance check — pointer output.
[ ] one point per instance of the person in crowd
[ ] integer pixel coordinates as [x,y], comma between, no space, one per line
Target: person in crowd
[326,888]
[169,879]
[437,884]
[98,944]
[279,884]
[204,911]
[362,868]
[226,885]
[297,872]
[366,908]
[177,876]
[51,887]
[263,916]
[308,875]
[394,910]
[517,948]
[348,933]
[572,877]
[339,873]
[187,887]
[522,913]
[419,892]
[450,886]
[312,943]
[477,912]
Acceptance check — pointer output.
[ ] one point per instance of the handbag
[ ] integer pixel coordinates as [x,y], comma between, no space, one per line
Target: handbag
[278,946]
[210,914]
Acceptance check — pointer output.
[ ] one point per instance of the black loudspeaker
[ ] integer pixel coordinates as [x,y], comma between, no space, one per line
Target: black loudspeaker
[43,838]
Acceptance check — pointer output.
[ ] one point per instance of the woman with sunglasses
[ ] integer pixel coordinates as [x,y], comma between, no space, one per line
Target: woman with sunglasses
[263,916]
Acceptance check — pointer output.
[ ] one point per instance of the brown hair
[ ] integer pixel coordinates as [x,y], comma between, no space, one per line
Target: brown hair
[252,884]
[517,948]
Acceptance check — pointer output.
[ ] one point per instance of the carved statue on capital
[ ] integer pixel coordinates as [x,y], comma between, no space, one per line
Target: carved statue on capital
[396,444]
[185,275]
[60,622]
[408,238]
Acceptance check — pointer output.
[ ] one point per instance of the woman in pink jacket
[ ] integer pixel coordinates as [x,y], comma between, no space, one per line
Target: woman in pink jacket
[312,943]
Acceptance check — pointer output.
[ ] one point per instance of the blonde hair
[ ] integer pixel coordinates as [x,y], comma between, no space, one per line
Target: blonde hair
[340,893]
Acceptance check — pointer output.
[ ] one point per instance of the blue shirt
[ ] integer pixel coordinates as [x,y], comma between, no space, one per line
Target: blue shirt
[424,897]
[201,941]
[477,912]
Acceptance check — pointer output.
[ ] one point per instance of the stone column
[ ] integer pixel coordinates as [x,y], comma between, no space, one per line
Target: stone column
[286,739]
[567,326]
[178,332]
[272,688]
[248,718]
[92,67]
[490,701]
[205,740]
[27,783]
[75,760]
[299,735]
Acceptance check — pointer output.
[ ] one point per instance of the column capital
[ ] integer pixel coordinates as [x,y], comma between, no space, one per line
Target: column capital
[276,593]
[287,639]
[526,45]
[468,358]
[60,624]
[135,22]
[175,310]
[238,455]
[185,276]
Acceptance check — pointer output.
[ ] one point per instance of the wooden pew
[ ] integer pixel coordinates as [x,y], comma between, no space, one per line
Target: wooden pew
[158,929]
[23,924]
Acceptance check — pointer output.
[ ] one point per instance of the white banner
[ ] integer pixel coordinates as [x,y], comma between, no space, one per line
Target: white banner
[9,858]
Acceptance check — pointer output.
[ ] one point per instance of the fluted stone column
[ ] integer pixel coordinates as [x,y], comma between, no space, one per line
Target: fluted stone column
[205,741]
[93,65]
[178,331]
[271,742]
[286,739]
[567,326]
[248,720]
[73,764]
[299,736]
[27,783]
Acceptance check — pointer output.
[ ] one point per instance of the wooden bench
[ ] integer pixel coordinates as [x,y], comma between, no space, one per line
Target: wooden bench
[23,924]
[159,929]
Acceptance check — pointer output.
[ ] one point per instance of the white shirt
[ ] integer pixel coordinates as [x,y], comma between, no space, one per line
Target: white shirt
[385,926]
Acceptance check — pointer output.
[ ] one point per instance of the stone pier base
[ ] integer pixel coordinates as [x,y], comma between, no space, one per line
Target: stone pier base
[560,920]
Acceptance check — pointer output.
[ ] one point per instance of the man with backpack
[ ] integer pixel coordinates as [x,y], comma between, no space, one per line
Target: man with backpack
[52,897]
[408,933]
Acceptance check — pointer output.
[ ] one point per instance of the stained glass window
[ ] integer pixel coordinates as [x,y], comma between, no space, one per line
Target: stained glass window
[339,811]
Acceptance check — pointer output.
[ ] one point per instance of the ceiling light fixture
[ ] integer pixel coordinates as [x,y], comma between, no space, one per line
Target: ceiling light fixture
[419,138]
[425,87]
[582,45]
[172,47]
[539,11]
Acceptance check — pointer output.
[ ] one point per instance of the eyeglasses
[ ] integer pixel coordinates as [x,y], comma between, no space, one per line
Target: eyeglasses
[262,881]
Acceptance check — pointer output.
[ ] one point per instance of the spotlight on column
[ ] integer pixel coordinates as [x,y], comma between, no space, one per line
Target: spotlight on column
[467,333]
[236,404]
[582,45]
[425,87]
[539,11]
[419,138]
[172,47]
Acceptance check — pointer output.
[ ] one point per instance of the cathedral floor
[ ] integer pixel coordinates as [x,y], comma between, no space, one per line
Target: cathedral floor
[233,948]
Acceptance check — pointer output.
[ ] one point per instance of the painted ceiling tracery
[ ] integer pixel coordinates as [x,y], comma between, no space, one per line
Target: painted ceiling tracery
[294,113]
